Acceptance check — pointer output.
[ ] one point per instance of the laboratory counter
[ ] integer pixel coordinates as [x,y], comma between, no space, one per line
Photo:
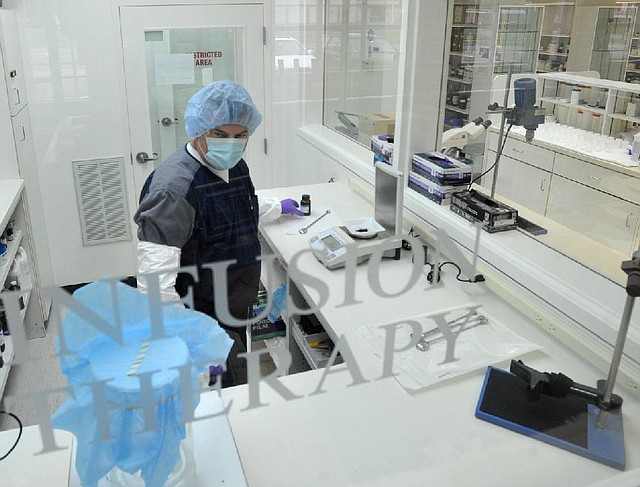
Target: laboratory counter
[329,431]
[349,425]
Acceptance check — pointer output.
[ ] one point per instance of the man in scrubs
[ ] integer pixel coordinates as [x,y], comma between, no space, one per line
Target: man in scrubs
[199,206]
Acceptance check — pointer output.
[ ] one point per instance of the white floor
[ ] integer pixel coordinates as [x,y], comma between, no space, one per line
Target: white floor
[43,373]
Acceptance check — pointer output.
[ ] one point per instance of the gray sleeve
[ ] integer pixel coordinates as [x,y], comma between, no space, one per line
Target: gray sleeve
[165,218]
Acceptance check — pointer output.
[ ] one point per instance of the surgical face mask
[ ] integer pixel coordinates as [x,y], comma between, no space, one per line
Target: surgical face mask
[224,153]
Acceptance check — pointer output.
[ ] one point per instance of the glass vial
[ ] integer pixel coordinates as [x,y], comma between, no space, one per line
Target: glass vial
[305,204]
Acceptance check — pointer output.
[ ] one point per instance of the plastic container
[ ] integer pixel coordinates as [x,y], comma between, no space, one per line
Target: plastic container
[22,261]
[596,123]
[576,93]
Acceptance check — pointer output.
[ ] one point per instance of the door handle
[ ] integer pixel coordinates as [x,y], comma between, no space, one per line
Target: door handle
[628,220]
[24,134]
[166,121]
[542,184]
[517,150]
[143,157]
[595,178]
[17,96]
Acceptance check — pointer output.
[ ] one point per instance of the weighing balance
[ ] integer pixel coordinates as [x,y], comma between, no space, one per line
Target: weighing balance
[370,234]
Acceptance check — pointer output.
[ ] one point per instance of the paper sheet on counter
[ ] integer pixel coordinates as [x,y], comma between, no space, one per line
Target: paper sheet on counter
[475,348]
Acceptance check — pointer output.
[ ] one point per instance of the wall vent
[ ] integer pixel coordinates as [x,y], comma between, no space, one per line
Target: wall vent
[102,203]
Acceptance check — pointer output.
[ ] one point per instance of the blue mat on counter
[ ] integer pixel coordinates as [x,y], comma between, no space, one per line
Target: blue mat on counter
[568,423]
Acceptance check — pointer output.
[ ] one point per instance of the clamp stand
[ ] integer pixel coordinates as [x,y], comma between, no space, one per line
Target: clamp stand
[553,408]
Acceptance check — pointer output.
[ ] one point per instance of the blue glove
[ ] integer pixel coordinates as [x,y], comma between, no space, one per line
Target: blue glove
[290,207]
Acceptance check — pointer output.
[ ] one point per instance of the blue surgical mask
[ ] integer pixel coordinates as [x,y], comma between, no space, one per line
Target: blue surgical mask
[224,153]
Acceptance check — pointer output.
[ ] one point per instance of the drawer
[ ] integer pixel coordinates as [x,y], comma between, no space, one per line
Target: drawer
[524,152]
[612,182]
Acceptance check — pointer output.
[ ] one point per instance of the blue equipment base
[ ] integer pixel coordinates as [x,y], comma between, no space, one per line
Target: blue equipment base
[568,422]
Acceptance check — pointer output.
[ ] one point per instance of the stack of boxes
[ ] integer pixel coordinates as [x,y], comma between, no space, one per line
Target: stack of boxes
[382,147]
[438,176]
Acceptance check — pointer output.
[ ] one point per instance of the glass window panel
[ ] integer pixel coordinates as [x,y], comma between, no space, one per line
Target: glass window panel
[545,179]
[361,67]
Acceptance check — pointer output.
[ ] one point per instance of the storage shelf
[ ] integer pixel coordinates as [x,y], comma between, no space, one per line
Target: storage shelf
[10,191]
[625,117]
[313,357]
[456,109]
[465,26]
[463,54]
[12,250]
[564,36]
[460,80]
[8,357]
[546,53]
[556,101]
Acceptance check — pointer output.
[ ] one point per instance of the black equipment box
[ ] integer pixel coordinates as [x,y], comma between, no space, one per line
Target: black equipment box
[477,207]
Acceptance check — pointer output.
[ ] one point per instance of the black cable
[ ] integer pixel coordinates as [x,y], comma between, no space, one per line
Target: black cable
[477,278]
[498,155]
[19,434]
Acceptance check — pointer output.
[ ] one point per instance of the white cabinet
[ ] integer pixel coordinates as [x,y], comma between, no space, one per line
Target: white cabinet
[28,172]
[602,217]
[13,68]
[593,200]
[522,184]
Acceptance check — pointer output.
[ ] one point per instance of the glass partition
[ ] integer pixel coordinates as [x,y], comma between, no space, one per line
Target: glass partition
[362,52]
[578,179]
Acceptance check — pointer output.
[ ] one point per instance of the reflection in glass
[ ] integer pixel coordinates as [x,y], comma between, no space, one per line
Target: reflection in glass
[362,51]
[179,63]
[558,181]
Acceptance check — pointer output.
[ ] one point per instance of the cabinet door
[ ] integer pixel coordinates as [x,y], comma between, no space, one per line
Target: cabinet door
[16,85]
[521,183]
[8,163]
[35,213]
[601,217]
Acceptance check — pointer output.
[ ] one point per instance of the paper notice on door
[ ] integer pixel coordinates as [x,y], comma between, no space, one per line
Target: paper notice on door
[207,76]
[174,69]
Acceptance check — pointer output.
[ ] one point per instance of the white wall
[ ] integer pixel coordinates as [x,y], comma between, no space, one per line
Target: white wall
[74,71]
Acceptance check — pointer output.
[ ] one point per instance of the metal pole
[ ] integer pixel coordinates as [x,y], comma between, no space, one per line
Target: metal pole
[501,135]
[617,352]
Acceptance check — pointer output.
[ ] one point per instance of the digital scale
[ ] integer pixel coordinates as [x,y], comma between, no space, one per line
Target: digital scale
[330,246]
[371,234]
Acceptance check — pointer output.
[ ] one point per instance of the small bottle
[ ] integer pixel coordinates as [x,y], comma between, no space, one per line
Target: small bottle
[14,286]
[305,204]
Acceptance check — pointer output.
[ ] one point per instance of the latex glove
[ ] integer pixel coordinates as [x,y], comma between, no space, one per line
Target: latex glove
[290,207]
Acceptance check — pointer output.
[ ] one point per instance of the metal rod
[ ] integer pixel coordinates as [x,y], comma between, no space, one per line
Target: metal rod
[501,135]
[622,336]
[617,352]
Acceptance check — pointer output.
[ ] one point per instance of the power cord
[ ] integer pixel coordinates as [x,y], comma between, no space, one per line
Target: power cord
[477,278]
[498,155]
[19,434]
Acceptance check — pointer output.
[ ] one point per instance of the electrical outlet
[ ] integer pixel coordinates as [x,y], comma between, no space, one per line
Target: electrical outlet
[546,324]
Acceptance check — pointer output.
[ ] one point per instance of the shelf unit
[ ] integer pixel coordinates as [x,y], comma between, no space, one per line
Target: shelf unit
[612,43]
[518,30]
[615,96]
[10,194]
[462,54]
[555,37]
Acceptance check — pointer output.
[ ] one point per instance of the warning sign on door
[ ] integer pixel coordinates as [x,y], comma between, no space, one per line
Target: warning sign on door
[205,58]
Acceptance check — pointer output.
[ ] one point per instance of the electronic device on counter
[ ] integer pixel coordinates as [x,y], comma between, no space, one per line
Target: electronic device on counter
[330,246]
[477,207]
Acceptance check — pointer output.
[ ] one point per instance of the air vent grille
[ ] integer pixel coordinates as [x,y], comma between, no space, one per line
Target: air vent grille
[101,195]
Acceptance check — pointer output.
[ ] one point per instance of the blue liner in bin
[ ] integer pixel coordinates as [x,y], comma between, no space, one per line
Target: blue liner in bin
[192,338]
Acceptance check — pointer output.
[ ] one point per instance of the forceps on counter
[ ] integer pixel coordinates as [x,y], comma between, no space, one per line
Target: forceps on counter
[306,229]
[455,325]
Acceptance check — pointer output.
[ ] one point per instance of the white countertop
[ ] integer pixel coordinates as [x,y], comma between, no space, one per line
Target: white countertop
[378,433]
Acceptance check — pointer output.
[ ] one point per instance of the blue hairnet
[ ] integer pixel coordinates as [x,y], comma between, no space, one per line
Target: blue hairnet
[220,103]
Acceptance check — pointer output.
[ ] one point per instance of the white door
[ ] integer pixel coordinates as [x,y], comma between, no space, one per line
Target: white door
[170,52]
